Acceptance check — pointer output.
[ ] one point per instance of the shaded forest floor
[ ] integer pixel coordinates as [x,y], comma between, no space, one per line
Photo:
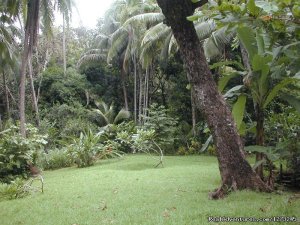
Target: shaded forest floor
[132,191]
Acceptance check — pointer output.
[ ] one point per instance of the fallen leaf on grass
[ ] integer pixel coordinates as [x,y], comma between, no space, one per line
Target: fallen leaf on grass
[265,209]
[166,214]
[103,206]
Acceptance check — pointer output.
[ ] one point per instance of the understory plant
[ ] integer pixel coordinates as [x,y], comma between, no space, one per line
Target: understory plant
[89,147]
[55,159]
[163,125]
[144,141]
[84,149]
[16,152]
[16,189]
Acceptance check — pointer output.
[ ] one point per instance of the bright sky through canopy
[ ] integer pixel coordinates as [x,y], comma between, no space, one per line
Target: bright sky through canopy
[89,12]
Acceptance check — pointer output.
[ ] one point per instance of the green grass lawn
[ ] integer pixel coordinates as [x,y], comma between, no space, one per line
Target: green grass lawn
[132,191]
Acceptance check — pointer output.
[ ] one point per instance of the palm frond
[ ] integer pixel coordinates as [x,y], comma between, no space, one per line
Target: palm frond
[164,54]
[205,29]
[102,116]
[47,15]
[145,18]
[117,46]
[122,115]
[92,57]
[214,45]
[155,33]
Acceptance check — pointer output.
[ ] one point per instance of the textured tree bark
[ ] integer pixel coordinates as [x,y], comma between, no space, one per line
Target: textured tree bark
[33,95]
[22,86]
[135,88]
[236,173]
[30,40]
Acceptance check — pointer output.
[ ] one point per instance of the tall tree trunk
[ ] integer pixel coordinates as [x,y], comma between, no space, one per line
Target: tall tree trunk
[123,81]
[33,95]
[236,173]
[140,95]
[135,88]
[23,85]
[7,107]
[147,90]
[64,46]
[30,40]
[47,57]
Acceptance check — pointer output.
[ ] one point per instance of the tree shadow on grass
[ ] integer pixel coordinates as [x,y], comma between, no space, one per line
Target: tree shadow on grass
[138,166]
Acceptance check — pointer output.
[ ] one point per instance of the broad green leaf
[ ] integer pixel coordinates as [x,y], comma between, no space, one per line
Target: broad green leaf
[257,164]
[257,62]
[293,101]
[242,129]
[195,17]
[268,7]
[223,81]
[258,148]
[247,37]
[230,92]
[238,110]
[226,63]
[252,8]
[265,150]
[260,42]
[274,92]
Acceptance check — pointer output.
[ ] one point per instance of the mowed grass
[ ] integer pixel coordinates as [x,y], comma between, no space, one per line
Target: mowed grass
[132,191]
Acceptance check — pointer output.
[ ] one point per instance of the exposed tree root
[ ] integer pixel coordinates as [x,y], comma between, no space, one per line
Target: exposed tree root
[255,184]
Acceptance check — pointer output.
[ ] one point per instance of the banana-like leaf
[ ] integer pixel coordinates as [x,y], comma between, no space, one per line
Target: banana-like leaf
[274,92]
[231,92]
[122,115]
[257,164]
[226,63]
[238,110]
[247,37]
[223,81]
[268,151]
[292,100]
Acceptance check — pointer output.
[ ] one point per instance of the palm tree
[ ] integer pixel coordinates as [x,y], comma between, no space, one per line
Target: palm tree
[32,19]
[119,43]
[159,40]
[108,115]
[8,46]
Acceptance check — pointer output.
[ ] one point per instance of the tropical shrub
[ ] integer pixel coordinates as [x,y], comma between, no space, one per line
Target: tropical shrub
[55,159]
[118,137]
[68,120]
[144,141]
[84,149]
[16,189]
[89,147]
[62,89]
[16,151]
[163,125]
[108,115]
